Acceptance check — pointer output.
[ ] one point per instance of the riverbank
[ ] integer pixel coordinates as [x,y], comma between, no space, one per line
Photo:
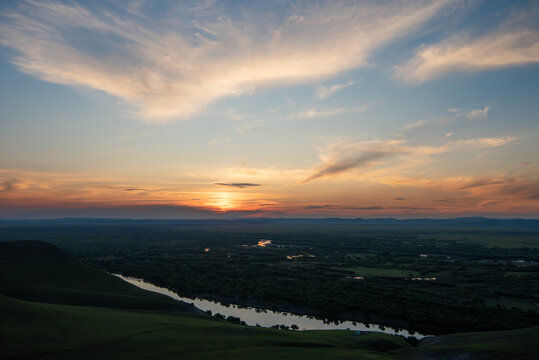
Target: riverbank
[268,315]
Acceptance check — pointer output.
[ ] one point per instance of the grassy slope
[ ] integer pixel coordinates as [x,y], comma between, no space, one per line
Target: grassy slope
[520,344]
[47,331]
[38,271]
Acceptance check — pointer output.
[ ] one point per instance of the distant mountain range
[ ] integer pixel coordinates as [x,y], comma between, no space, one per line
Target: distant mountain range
[461,221]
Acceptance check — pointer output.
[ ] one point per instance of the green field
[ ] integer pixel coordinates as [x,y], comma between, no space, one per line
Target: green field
[66,332]
[46,331]
[513,344]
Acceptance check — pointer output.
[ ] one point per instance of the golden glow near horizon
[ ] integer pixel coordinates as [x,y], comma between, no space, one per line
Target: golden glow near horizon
[224,201]
[269,109]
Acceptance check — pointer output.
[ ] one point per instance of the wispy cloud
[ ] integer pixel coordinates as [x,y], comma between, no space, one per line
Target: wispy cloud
[233,115]
[135,189]
[314,112]
[515,186]
[486,142]
[247,126]
[418,123]
[478,113]
[170,68]
[496,50]
[350,156]
[324,92]
[238,185]
[343,157]
[340,207]
[465,113]
[9,185]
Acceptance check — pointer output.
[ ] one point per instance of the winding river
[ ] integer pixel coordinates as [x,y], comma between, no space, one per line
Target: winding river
[265,317]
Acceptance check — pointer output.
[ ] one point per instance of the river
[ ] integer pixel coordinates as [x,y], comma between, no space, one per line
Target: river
[266,317]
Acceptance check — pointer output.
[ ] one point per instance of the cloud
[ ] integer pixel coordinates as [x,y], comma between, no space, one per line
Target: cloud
[349,156]
[324,92]
[484,142]
[478,113]
[313,112]
[446,201]
[480,183]
[345,163]
[233,115]
[343,157]
[174,66]
[9,185]
[418,123]
[238,185]
[515,186]
[368,208]
[321,207]
[246,127]
[339,207]
[462,53]
[106,210]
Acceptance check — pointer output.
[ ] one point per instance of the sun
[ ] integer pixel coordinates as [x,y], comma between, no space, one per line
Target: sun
[224,201]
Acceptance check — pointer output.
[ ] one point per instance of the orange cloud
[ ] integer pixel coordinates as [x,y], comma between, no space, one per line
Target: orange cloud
[350,156]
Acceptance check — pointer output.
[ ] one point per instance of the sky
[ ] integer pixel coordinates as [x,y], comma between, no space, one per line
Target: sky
[226,109]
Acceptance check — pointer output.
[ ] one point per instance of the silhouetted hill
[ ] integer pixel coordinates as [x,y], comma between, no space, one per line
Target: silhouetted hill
[39,271]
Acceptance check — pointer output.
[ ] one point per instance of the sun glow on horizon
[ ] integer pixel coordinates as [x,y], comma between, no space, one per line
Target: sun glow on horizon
[223,201]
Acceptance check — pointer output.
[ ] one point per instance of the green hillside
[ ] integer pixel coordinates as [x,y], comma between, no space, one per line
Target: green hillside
[38,271]
[520,344]
[47,331]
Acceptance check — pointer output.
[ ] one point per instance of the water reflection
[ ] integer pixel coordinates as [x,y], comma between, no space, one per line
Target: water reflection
[266,317]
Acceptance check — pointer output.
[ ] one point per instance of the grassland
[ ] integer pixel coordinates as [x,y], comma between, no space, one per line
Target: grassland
[46,331]
[512,344]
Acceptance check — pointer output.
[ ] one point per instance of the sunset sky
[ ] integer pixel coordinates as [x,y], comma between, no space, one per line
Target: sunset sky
[202,109]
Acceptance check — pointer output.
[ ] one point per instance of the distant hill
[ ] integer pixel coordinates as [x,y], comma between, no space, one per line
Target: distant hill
[39,271]
[460,222]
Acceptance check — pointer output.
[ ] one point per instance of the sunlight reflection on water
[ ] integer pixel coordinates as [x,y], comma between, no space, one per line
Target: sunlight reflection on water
[265,317]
